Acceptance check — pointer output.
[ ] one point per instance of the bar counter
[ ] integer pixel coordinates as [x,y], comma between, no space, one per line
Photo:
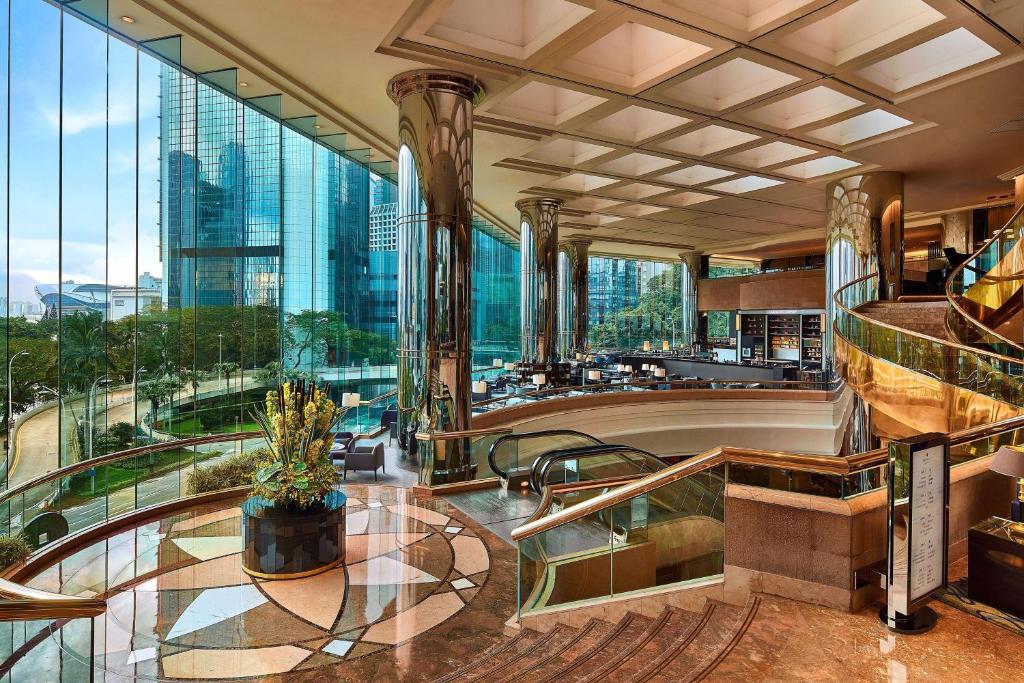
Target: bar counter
[704,369]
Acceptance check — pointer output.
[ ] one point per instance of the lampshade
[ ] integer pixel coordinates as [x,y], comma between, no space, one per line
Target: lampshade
[510,366]
[350,400]
[539,379]
[659,372]
[579,356]
[647,346]
[1009,460]
[620,367]
[627,368]
[496,362]
[645,367]
[479,387]
[664,345]
[594,375]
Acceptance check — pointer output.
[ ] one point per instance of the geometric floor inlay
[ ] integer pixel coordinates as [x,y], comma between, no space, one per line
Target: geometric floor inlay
[179,606]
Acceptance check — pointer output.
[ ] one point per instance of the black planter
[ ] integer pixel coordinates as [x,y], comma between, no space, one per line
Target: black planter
[290,543]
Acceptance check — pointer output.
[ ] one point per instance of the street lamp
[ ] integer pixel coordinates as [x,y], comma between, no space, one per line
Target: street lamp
[135,396]
[90,412]
[10,408]
[220,355]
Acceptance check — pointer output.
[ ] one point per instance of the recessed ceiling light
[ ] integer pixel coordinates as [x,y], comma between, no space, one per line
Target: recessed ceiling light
[243,84]
[317,126]
[127,19]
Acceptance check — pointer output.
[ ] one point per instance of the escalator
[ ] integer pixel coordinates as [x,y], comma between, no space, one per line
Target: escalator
[512,456]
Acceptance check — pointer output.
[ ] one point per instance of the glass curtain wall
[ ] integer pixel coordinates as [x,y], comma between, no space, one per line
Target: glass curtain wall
[174,250]
[632,301]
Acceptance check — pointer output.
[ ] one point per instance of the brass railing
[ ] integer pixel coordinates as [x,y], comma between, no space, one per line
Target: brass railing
[18,602]
[958,311]
[673,384]
[726,455]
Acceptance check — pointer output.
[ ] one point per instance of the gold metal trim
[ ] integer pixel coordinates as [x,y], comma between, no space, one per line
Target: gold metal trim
[952,296]
[911,333]
[294,575]
[466,433]
[19,602]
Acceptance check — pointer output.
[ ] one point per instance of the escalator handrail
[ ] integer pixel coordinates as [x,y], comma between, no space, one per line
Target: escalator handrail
[529,435]
[543,464]
[953,298]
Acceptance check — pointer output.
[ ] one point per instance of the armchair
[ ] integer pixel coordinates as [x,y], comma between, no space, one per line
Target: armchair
[366,459]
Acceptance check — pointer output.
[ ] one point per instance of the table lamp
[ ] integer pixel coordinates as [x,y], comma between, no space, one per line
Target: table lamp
[1009,460]
[659,372]
[664,345]
[647,346]
[350,400]
[479,387]
[594,375]
[645,367]
[539,379]
[496,362]
[509,367]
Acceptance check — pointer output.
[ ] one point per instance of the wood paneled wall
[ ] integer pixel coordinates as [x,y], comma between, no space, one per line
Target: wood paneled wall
[788,289]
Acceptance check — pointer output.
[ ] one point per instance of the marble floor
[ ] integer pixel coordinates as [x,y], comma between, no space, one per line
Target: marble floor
[422,588]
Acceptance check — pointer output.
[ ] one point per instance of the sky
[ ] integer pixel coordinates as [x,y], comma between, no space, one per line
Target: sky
[82,113]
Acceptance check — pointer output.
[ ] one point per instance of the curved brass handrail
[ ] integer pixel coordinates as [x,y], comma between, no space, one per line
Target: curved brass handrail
[727,455]
[675,384]
[86,465]
[952,297]
[19,602]
[913,333]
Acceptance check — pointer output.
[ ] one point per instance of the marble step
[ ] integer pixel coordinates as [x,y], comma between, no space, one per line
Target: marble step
[682,660]
[621,638]
[667,629]
[560,637]
[593,632]
[523,643]
[759,651]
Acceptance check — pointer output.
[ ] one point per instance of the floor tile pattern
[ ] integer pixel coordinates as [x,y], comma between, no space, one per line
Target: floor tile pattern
[181,608]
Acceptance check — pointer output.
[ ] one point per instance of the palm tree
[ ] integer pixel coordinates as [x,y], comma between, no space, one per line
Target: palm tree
[157,391]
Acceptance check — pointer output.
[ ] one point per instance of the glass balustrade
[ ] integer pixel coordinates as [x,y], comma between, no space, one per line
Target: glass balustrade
[987,292]
[671,534]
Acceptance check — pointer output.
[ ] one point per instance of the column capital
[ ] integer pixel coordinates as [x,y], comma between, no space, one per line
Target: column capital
[436,80]
[536,203]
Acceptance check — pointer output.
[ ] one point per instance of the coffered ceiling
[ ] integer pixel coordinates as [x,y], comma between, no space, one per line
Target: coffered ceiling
[664,124]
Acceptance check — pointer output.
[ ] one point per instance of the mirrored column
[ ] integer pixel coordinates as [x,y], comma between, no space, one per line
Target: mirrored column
[565,304]
[863,235]
[578,262]
[538,235]
[689,274]
[435,210]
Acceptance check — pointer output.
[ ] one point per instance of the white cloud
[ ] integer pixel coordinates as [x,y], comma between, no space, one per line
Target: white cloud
[81,117]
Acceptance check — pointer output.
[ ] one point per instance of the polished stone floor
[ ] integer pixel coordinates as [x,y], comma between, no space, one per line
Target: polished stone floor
[422,587]
[424,590]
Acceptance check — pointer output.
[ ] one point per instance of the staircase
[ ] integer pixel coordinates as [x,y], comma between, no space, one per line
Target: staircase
[678,646]
[924,317]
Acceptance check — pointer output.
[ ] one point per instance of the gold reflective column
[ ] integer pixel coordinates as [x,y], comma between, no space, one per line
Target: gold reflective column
[435,226]
[863,235]
[538,254]
[689,274]
[578,263]
[565,304]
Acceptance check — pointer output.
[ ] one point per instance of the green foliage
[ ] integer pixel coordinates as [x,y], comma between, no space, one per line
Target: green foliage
[238,470]
[123,433]
[298,424]
[659,302]
[13,549]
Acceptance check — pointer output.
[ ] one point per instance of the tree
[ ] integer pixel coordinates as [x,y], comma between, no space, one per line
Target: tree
[156,392]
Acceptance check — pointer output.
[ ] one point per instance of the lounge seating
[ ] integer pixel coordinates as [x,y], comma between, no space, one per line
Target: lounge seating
[365,459]
[388,420]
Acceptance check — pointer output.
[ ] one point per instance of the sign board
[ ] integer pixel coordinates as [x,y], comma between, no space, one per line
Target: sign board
[918,516]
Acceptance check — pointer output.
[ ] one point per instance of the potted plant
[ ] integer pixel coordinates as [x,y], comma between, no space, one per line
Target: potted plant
[293,525]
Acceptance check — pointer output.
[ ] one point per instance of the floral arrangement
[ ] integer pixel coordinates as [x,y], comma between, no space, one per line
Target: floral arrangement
[298,424]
